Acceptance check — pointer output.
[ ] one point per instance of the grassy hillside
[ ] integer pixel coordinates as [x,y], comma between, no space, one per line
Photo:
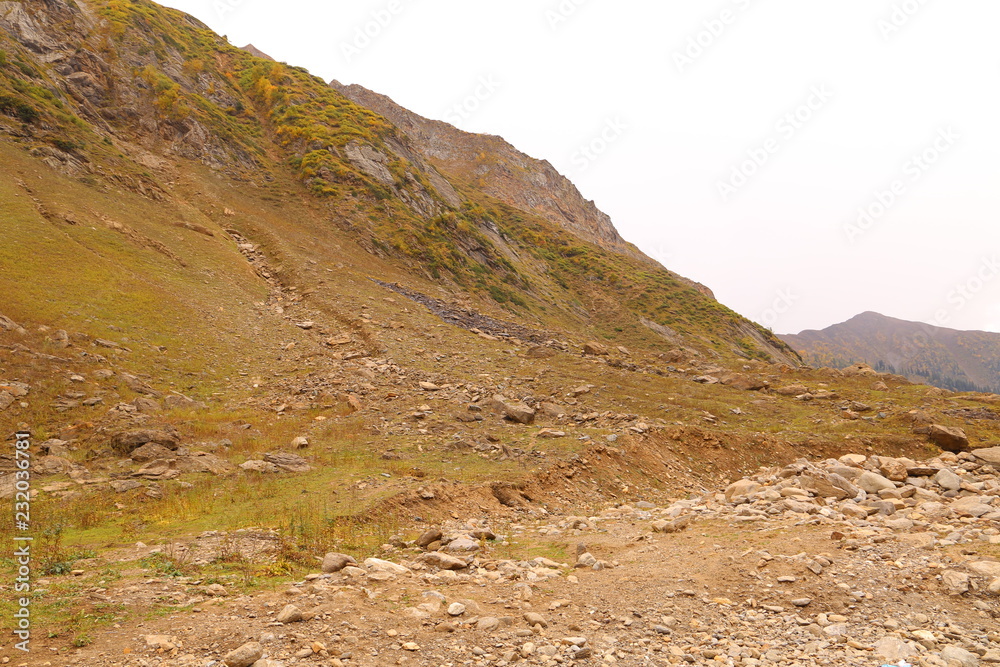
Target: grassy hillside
[140,88]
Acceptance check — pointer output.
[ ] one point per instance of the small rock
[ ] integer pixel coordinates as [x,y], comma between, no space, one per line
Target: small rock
[334,562]
[290,614]
[245,655]
[534,618]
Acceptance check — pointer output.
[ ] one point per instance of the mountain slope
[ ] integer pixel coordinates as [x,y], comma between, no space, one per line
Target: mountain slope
[127,95]
[947,358]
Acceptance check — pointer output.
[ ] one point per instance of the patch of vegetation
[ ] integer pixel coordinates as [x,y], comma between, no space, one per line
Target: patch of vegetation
[17,108]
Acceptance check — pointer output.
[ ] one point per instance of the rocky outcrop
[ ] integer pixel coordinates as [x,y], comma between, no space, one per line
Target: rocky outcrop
[499,170]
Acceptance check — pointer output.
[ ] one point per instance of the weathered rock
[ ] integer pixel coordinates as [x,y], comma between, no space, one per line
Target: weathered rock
[533,618]
[259,466]
[147,405]
[335,562]
[828,485]
[517,412]
[873,482]
[245,655]
[893,649]
[986,568]
[462,545]
[957,653]
[428,537]
[124,485]
[948,480]
[991,455]
[442,561]
[956,583]
[950,439]
[742,489]
[289,462]
[595,349]
[205,462]
[290,614]
[379,565]
[974,506]
[126,442]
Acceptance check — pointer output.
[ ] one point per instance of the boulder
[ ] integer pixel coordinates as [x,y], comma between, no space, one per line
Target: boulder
[950,439]
[205,462]
[150,452]
[991,455]
[429,537]
[873,482]
[289,462]
[956,583]
[334,562]
[379,565]
[742,488]
[595,349]
[986,568]
[828,485]
[245,655]
[948,480]
[442,561]
[124,443]
[514,411]
[958,654]
[259,466]
[290,614]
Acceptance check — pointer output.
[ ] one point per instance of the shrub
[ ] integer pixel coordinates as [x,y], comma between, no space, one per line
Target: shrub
[12,106]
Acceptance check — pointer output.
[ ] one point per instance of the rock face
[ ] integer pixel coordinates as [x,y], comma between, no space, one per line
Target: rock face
[504,172]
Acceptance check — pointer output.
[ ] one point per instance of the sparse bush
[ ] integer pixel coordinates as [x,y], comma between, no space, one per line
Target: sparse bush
[11,106]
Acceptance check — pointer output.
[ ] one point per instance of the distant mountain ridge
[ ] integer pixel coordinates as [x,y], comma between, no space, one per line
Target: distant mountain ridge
[946,358]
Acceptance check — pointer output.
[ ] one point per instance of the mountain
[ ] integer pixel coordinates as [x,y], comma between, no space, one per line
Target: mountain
[127,96]
[947,358]
[252,327]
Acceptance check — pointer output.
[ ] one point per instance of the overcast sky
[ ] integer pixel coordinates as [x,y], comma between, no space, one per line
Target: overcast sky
[736,141]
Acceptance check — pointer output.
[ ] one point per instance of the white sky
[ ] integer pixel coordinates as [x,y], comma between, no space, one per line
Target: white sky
[776,249]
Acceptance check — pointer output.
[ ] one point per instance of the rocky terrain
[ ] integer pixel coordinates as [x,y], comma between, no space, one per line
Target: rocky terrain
[308,385]
[853,561]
